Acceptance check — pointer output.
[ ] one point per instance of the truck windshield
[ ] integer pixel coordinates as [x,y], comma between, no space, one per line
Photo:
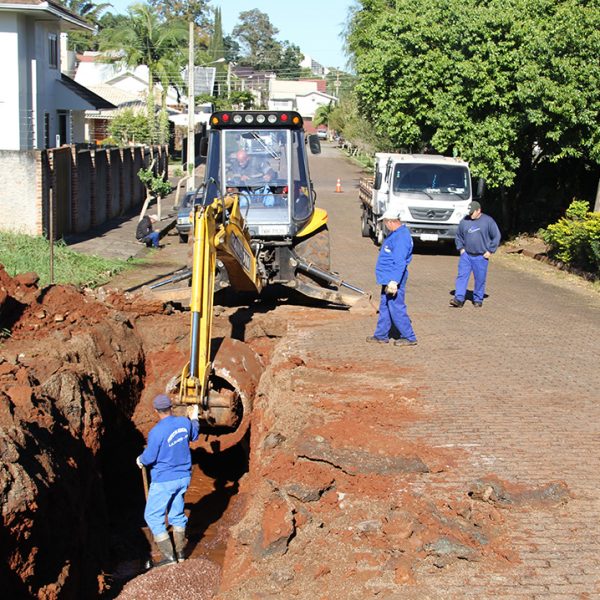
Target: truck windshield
[445,182]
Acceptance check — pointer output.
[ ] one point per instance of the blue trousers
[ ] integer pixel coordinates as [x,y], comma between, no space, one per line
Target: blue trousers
[166,498]
[152,239]
[392,311]
[467,264]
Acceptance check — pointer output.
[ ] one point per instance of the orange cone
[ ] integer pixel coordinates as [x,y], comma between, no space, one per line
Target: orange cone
[338,186]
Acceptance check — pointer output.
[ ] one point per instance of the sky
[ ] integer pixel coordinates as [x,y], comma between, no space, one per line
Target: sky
[313,25]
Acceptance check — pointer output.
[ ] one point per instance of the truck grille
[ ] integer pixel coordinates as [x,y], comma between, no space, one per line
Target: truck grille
[430,214]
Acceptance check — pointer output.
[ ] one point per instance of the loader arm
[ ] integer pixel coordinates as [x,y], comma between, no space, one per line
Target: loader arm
[219,232]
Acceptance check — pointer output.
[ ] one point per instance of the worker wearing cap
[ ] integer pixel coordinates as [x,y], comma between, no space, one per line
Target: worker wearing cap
[477,239]
[168,454]
[391,272]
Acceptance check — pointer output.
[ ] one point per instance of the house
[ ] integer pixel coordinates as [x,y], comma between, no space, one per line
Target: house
[40,107]
[304,96]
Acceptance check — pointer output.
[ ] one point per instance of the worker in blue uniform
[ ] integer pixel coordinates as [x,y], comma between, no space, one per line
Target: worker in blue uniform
[168,455]
[391,272]
[477,239]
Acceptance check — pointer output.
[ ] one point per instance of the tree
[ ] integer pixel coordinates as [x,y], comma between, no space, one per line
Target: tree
[183,10]
[142,39]
[231,48]
[508,85]
[216,46]
[289,61]
[256,35]
[322,114]
[89,11]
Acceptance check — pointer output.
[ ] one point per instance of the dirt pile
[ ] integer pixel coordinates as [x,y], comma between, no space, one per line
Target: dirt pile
[71,373]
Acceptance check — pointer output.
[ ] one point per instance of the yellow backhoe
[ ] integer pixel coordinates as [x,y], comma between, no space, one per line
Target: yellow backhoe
[254,224]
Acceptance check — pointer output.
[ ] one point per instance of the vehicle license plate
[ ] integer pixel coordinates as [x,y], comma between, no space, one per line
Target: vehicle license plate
[429,237]
[273,230]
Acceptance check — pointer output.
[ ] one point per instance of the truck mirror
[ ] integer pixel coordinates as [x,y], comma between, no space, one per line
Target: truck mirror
[377,182]
[314,144]
[204,146]
[480,191]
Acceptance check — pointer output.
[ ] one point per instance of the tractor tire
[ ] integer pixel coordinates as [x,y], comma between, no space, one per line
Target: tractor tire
[365,228]
[315,249]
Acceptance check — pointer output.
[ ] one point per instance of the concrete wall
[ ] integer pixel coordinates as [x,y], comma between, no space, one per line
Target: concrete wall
[100,184]
[19,201]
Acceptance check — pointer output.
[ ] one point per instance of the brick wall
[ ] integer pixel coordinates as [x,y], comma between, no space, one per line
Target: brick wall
[103,184]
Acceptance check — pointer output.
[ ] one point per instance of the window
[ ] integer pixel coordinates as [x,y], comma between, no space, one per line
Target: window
[53,50]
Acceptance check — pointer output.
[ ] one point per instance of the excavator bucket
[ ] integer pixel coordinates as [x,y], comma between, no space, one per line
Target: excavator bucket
[225,417]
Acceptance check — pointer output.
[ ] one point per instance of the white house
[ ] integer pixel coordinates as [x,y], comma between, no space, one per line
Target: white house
[304,95]
[40,107]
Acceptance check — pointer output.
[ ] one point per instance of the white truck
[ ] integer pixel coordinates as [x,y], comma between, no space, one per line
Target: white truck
[430,192]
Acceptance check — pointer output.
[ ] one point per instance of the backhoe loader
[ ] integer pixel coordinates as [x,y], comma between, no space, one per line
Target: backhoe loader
[254,224]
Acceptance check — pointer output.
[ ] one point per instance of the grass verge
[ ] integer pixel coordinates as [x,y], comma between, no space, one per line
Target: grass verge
[21,253]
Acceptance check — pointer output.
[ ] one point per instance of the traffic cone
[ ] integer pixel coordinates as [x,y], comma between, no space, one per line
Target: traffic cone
[338,186]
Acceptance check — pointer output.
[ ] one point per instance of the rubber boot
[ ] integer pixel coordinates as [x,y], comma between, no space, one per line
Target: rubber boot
[180,542]
[163,541]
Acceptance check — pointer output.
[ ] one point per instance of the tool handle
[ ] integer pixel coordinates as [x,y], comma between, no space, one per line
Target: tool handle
[145,480]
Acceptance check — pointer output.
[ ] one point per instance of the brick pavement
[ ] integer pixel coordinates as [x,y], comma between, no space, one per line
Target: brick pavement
[516,385]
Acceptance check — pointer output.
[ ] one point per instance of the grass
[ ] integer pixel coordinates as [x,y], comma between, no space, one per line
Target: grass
[20,253]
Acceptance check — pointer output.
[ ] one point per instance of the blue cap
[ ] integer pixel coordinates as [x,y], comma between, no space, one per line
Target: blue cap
[161,402]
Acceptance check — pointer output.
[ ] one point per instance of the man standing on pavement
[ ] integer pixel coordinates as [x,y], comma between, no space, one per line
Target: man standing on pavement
[477,239]
[168,455]
[391,272]
[145,233]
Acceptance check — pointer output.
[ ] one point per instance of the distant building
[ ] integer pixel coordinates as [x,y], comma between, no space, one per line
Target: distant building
[310,63]
[304,96]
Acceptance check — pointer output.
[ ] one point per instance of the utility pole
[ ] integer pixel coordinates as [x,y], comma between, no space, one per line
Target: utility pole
[191,134]
[228,80]
[337,84]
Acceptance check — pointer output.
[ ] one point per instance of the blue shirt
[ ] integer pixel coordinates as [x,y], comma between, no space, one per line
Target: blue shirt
[168,449]
[394,256]
[478,236]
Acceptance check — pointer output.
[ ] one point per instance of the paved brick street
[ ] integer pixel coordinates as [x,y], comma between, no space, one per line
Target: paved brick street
[515,385]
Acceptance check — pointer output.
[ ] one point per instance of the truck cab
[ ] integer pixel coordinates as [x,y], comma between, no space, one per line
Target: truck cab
[431,194]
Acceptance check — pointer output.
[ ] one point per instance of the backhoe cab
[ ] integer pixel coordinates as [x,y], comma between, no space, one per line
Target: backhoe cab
[261,157]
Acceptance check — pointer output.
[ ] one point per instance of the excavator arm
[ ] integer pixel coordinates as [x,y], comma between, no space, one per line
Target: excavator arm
[223,385]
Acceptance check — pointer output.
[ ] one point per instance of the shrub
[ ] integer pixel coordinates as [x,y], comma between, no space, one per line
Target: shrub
[575,238]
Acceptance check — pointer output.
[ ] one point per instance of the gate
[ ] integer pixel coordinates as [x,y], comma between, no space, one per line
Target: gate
[62,191]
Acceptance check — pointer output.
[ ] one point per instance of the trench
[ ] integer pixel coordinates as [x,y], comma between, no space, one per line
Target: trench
[212,501]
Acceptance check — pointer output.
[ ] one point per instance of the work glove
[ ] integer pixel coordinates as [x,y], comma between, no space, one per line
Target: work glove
[193,413]
[391,288]
[139,463]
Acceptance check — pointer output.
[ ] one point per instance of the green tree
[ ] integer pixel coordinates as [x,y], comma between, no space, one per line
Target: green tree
[142,39]
[89,11]
[289,61]
[182,10]
[129,127]
[505,84]
[323,113]
[256,35]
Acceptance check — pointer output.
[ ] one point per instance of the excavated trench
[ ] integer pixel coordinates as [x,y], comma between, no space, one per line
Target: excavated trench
[78,371]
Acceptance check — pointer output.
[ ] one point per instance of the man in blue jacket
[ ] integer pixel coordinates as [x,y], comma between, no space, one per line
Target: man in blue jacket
[168,454]
[391,272]
[477,239]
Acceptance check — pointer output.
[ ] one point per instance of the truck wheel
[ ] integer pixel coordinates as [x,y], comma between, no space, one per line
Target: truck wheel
[365,228]
[183,238]
[315,249]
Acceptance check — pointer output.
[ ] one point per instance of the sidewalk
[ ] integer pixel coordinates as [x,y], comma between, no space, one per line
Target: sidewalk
[116,237]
